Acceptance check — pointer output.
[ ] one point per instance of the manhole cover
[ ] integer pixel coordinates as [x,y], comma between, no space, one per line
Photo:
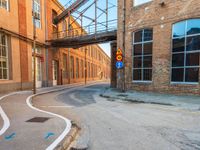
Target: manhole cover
[38,119]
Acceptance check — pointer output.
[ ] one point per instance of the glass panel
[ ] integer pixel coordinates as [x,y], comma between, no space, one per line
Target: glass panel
[4,4]
[192,75]
[147,74]
[177,75]
[137,49]
[193,43]
[138,36]
[148,34]
[4,64]
[3,40]
[137,62]
[147,62]
[193,26]
[192,59]
[178,45]
[137,74]
[4,51]
[5,74]
[1,73]
[147,48]
[178,60]
[179,29]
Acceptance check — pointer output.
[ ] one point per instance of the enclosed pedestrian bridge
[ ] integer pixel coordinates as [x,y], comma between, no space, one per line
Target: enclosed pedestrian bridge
[85,27]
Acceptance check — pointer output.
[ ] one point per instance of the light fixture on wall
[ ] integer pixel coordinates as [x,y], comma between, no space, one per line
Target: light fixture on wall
[162,3]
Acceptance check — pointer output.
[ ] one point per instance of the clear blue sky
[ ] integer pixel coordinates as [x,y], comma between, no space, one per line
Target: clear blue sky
[90,13]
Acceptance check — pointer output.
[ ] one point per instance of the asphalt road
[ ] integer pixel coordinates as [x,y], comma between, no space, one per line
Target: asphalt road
[115,125]
[25,135]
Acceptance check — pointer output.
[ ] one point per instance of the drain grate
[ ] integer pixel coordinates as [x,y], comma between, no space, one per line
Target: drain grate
[38,119]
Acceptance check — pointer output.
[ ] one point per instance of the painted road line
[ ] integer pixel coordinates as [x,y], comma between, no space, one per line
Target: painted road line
[67,121]
[6,122]
[57,106]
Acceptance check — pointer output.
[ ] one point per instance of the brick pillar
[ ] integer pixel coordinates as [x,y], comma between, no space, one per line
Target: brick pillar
[113,62]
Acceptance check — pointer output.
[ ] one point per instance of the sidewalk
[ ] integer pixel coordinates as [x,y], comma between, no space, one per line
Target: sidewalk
[186,102]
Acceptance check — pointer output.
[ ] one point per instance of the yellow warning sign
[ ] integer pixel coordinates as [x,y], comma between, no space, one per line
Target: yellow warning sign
[119,51]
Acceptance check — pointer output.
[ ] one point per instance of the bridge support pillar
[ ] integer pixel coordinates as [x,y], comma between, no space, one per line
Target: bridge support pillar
[113,67]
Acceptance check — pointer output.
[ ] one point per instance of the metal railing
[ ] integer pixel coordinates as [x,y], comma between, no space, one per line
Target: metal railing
[86,30]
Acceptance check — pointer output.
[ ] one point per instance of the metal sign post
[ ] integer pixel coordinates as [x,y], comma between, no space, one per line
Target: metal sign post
[34,50]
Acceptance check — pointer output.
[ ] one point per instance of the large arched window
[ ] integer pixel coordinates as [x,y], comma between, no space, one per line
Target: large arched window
[142,55]
[185,51]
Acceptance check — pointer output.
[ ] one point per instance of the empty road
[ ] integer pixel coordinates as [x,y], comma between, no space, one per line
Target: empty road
[116,125]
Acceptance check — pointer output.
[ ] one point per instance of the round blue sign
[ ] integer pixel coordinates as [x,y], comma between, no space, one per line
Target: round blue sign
[119,64]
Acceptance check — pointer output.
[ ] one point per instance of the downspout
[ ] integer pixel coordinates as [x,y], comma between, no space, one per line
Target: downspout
[124,46]
[46,49]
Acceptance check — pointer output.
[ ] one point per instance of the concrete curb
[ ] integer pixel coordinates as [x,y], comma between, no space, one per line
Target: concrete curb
[65,145]
[126,97]
[113,98]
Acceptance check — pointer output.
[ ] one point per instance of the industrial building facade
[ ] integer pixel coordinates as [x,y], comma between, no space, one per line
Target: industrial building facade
[162,45]
[54,66]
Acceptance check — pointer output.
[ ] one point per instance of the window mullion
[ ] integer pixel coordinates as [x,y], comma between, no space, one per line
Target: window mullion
[142,71]
[184,72]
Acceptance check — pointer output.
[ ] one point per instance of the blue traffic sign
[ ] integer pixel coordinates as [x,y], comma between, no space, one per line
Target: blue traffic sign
[119,64]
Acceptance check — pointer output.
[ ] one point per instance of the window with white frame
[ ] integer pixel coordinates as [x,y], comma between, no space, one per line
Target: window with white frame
[77,68]
[37,11]
[4,69]
[185,51]
[65,66]
[142,55]
[4,4]
[82,69]
[38,62]
[140,2]
[72,67]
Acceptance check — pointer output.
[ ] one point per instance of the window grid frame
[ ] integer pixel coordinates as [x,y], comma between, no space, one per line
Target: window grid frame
[7,4]
[37,21]
[185,56]
[142,56]
[4,57]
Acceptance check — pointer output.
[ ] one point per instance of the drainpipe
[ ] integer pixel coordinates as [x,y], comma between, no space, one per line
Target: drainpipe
[46,49]
[124,40]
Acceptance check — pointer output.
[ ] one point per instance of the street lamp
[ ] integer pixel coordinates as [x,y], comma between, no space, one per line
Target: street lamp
[35,16]
[85,67]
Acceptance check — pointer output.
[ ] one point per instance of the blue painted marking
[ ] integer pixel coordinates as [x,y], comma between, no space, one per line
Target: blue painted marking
[49,134]
[119,64]
[10,137]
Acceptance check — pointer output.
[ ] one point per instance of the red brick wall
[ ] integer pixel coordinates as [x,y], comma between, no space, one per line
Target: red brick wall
[161,19]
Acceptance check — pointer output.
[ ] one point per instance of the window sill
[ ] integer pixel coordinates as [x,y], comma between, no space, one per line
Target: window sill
[141,5]
[142,82]
[4,80]
[184,83]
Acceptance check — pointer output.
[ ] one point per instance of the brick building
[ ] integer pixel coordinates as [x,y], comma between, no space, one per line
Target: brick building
[162,45]
[52,65]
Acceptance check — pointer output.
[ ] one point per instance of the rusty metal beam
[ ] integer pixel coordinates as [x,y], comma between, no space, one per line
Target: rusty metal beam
[77,4]
[77,42]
